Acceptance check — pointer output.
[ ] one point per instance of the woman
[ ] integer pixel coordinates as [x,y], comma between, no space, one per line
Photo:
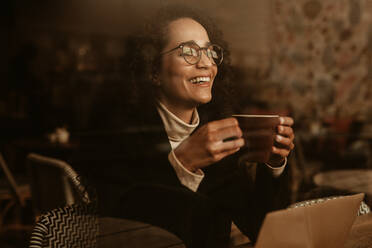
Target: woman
[196,187]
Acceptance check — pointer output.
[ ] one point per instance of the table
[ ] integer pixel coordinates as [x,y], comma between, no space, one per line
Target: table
[353,181]
[132,234]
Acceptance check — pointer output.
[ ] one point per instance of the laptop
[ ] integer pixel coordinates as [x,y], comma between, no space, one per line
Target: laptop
[326,224]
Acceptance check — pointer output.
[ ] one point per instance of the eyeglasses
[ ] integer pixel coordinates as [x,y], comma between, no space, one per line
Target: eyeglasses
[192,52]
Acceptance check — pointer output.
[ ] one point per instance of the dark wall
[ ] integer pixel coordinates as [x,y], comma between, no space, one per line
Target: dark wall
[65,62]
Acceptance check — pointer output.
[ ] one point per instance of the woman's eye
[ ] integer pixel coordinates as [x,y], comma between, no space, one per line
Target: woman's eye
[213,54]
[189,51]
[194,52]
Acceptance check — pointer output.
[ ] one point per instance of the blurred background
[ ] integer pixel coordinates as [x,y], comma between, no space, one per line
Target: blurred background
[64,63]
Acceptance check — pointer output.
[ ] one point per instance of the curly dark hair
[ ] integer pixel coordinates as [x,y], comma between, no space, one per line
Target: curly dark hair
[146,48]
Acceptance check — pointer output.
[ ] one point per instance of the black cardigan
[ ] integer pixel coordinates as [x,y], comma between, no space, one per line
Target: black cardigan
[138,154]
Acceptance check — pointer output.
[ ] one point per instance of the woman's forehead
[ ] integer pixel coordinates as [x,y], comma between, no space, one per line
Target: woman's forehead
[186,29]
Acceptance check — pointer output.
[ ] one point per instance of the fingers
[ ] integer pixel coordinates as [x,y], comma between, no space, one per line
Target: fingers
[281,152]
[286,121]
[220,124]
[286,132]
[221,147]
[218,139]
[285,129]
[284,139]
[226,129]
[208,144]
[220,142]
[228,132]
[221,155]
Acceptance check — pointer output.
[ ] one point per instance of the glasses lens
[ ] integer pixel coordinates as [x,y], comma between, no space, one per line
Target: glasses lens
[215,52]
[191,53]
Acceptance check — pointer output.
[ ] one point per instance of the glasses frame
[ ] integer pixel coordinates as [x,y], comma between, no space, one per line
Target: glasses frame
[199,52]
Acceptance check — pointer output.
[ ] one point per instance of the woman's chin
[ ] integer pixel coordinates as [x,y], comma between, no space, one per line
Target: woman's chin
[204,100]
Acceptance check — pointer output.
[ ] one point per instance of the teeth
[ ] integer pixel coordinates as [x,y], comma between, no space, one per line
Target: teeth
[200,80]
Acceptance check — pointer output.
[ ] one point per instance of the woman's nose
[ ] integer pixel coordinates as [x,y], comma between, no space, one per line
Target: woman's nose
[204,61]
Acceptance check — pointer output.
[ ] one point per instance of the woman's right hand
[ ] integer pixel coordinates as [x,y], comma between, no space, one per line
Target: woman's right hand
[207,146]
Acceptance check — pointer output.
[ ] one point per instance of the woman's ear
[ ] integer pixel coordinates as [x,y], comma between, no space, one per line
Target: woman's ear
[155,79]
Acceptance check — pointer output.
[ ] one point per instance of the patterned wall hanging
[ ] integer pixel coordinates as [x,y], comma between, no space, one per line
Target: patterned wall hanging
[322,57]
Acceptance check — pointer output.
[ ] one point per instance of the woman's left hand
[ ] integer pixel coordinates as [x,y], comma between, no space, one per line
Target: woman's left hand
[283,142]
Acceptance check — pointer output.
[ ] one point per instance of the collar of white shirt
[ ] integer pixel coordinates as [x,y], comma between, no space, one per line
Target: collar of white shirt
[177,130]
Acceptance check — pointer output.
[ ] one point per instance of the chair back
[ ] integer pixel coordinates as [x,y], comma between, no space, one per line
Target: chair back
[11,181]
[69,226]
[363,208]
[54,183]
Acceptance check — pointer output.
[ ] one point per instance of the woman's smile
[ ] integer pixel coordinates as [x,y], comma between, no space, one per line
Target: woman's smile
[200,80]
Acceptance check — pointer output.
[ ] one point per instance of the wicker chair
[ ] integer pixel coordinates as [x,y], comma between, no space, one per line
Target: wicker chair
[54,184]
[15,195]
[363,209]
[70,226]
